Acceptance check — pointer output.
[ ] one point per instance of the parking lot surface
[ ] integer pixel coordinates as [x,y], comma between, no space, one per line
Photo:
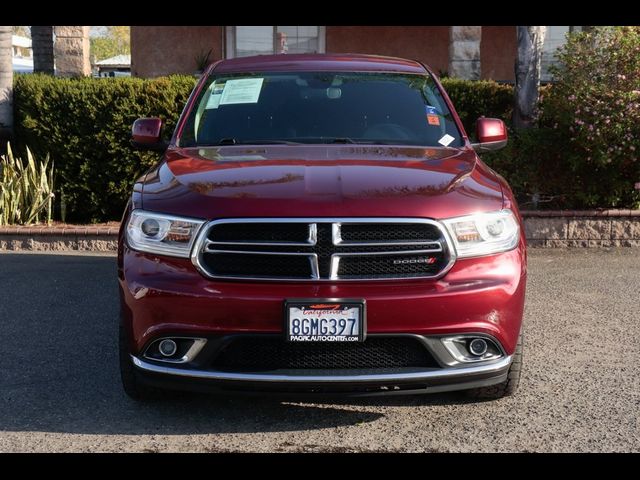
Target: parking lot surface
[60,387]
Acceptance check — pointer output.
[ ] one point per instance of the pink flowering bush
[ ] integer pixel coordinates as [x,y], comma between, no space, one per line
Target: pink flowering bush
[594,106]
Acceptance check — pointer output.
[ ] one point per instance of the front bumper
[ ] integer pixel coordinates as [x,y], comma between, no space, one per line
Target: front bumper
[328,382]
[163,297]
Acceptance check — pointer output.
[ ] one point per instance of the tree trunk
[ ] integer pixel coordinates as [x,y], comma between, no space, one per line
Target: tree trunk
[6,84]
[526,92]
[42,43]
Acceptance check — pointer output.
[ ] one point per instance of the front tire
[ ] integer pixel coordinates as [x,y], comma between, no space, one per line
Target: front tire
[130,382]
[509,386]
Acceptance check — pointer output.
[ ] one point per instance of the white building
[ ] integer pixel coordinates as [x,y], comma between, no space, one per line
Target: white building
[22,54]
[118,66]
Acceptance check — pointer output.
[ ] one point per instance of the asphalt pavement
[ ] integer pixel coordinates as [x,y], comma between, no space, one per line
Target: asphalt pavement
[580,391]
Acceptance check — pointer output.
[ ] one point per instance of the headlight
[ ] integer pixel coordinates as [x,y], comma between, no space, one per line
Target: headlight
[162,234]
[484,233]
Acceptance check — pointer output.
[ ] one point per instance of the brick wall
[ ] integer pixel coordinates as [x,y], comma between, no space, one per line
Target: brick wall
[157,50]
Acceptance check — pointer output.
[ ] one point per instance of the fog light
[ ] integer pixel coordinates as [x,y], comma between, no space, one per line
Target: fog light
[167,348]
[478,346]
[472,348]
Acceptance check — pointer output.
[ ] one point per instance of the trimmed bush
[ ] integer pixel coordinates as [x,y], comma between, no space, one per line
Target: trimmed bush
[85,126]
[473,99]
[533,162]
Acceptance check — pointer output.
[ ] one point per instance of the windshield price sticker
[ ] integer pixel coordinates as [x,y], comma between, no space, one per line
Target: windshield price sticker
[243,90]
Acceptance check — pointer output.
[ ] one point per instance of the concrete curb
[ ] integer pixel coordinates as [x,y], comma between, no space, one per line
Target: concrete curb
[547,229]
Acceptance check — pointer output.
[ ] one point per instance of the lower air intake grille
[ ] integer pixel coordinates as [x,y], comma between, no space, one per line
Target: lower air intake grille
[271,353]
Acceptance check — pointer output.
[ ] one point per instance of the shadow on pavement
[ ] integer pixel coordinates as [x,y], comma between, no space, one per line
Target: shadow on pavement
[59,373]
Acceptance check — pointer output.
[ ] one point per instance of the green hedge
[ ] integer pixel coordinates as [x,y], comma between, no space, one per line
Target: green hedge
[481,98]
[85,125]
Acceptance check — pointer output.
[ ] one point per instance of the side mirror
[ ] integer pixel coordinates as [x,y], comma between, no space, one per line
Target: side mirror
[146,134]
[491,134]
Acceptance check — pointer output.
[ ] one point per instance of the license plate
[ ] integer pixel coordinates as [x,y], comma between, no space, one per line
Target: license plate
[325,321]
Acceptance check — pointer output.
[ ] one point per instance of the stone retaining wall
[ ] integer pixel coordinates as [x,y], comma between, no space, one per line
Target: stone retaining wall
[550,229]
[595,228]
[94,239]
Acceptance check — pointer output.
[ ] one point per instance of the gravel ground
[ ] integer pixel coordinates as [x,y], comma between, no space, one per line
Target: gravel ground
[60,388]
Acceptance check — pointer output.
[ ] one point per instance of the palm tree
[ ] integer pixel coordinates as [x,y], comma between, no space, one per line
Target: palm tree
[6,84]
[530,41]
[42,44]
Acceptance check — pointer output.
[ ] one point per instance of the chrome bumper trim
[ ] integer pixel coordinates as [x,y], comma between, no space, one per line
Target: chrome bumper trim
[454,374]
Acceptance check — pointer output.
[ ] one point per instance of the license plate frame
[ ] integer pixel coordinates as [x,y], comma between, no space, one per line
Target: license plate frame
[354,334]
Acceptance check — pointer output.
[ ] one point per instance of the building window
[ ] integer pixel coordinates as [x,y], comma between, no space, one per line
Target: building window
[244,41]
[556,37]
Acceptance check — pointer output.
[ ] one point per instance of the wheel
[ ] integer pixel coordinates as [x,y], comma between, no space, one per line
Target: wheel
[509,386]
[132,386]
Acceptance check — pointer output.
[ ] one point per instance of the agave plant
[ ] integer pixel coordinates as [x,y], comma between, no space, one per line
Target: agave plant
[202,60]
[26,190]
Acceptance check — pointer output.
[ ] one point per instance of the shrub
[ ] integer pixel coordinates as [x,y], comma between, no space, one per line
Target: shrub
[533,162]
[473,99]
[85,124]
[585,152]
[26,191]
[595,105]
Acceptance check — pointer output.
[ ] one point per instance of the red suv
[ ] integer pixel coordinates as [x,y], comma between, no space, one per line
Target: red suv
[323,224]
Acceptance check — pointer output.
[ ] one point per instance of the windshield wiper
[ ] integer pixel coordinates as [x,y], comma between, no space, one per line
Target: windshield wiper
[233,141]
[306,140]
[347,140]
[324,140]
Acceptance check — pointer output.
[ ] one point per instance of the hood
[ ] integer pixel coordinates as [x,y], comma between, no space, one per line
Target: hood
[319,181]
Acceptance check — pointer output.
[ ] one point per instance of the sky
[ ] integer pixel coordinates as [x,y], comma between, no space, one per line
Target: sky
[96,31]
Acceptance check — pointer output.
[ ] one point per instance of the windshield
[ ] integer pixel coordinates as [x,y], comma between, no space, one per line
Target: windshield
[320,107]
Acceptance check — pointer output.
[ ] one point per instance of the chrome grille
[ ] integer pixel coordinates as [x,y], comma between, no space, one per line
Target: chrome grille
[321,249]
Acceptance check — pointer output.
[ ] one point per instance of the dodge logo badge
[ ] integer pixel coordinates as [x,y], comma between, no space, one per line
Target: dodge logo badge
[404,261]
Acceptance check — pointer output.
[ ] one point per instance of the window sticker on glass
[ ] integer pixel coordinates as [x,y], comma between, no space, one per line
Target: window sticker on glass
[214,101]
[446,140]
[243,90]
[433,119]
[215,92]
[432,115]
